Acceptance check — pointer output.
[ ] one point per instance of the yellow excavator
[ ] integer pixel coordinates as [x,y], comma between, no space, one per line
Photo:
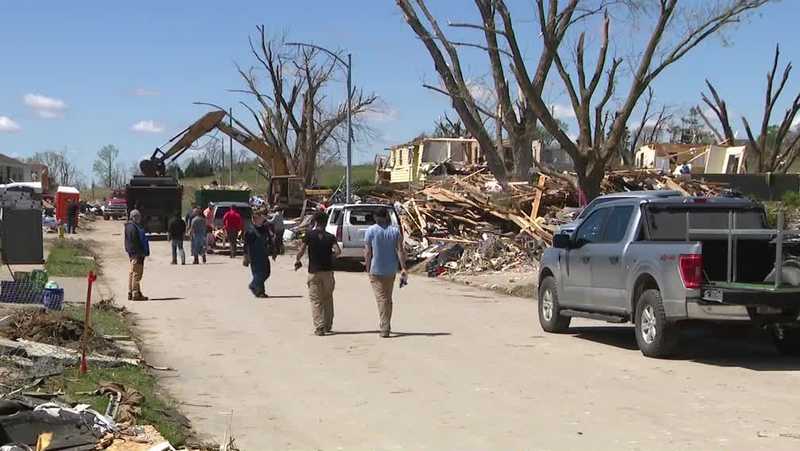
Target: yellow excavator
[158,196]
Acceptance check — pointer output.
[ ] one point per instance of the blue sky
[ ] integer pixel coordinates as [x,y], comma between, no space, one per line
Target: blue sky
[79,75]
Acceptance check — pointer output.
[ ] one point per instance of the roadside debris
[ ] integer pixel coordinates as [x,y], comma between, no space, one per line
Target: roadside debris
[466,223]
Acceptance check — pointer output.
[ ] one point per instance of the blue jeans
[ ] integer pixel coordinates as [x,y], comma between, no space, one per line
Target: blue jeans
[177,248]
[261,271]
[198,245]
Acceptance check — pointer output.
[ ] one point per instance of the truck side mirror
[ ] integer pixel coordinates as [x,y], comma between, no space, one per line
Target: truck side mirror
[562,241]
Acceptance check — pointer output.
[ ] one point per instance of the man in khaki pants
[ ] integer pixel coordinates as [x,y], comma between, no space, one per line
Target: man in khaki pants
[138,248]
[384,255]
[322,250]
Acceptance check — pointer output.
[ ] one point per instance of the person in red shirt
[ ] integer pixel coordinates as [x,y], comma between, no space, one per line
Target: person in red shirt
[233,224]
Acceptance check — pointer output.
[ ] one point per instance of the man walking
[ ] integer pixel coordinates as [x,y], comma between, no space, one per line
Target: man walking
[322,250]
[232,223]
[197,232]
[177,229]
[138,248]
[259,246]
[73,212]
[384,255]
[279,227]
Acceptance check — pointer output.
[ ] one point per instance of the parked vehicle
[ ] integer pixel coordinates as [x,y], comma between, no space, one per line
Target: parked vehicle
[220,208]
[658,262]
[115,208]
[600,200]
[349,224]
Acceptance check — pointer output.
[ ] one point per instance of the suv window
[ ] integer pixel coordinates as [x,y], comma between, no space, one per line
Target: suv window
[361,217]
[617,224]
[334,217]
[591,229]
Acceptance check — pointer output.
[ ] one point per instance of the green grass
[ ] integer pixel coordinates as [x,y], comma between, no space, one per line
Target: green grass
[331,176]
[104,321]
[70,258]
[156,410]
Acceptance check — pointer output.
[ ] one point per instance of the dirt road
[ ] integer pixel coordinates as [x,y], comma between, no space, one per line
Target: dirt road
[469,369]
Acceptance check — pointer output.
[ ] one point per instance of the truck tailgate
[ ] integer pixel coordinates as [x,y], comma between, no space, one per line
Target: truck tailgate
[751,294]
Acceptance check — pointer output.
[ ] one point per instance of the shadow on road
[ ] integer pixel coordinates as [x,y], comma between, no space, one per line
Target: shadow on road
[288,296]
[718,345]
[165,299]
[419,334]
[394,334]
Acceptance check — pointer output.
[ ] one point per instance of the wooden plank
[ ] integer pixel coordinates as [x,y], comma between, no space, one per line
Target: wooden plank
[537,200]
[452,240]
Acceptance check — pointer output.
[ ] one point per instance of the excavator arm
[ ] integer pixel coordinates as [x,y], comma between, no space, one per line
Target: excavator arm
[156,165]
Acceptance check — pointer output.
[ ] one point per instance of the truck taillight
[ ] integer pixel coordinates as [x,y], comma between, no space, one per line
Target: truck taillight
[691,266]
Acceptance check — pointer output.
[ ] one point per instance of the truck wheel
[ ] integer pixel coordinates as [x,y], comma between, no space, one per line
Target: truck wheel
[106,217]
[787,341]
[654,335]
[549,316]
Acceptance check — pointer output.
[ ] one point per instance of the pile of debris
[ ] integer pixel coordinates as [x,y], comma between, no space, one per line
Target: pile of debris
[500,230]
[55,329]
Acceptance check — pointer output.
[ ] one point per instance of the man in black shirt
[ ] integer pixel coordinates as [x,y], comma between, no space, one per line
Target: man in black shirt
[322,250]
[177,229]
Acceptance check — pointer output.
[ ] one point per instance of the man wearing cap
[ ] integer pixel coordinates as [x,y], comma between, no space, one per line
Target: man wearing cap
[138,248]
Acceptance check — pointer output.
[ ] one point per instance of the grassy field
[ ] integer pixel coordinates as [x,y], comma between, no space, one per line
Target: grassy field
[70,258]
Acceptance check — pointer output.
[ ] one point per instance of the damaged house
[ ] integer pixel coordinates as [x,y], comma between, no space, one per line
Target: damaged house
[427,158]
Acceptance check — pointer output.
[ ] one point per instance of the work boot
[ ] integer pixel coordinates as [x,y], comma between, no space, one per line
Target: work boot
[196,261]
[130,296]
[385,334]
[204,258]
[174,262]
[319,333]
[139,297]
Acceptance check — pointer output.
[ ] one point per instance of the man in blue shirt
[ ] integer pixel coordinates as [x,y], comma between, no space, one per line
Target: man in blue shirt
[384,255]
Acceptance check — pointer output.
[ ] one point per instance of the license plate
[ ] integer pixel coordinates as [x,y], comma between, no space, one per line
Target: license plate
[713,295]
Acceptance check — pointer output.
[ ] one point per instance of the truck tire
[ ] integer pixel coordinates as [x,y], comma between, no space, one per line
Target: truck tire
[787,341]
[655,336]
[106,217]
[549,317]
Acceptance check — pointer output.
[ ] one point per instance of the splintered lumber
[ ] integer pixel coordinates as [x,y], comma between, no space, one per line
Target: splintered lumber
[537,200]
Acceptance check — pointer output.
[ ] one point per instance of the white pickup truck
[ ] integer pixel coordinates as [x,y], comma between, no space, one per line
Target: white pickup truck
[349,223]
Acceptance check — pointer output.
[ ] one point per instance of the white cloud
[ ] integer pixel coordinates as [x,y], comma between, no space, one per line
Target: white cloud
[562,111]
[145,92]
[45,107]
[8,125]
[147,127]
[381,115]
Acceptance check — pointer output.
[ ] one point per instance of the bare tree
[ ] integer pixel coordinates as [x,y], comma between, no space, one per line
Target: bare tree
[601,122]
[777,147]
[105,165]
[60,168]
[449,128]
[294,114]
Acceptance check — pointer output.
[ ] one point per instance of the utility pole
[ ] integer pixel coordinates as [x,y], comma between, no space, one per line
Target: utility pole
[230,148]
[349,66]
[349,170]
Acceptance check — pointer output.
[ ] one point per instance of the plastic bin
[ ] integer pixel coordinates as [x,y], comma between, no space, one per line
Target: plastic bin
[53,298]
